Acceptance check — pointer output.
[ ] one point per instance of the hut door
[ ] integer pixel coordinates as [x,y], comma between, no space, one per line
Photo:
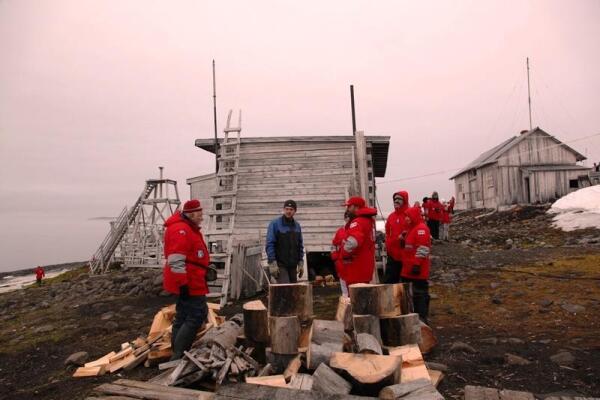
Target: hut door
[527,190]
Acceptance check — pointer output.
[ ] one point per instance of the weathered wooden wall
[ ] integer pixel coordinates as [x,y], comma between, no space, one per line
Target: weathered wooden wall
[201,188]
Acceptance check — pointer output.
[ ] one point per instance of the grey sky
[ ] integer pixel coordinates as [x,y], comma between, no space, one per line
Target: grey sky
[94,95]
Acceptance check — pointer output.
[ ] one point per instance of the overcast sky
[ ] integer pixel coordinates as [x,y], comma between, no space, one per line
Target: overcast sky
[96,94]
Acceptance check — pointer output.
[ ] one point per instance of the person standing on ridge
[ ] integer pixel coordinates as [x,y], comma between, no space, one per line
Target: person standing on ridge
[39,274]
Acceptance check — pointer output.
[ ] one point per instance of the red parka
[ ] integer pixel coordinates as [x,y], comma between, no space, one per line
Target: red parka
[186,256]
[336,246]
[39,273]
[418,237]
[394,226]
[358,247]
[434,209]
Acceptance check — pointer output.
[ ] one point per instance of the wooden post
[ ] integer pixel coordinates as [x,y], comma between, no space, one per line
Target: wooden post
[285,332]
[256,327]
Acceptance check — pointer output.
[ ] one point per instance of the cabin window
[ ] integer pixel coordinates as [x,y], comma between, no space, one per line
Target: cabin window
[370,176]
[460,189]
[490,181]
[573,184]
[370,189]
[463,196]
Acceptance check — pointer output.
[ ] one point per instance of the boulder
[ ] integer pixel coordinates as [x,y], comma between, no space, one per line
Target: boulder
[77,359]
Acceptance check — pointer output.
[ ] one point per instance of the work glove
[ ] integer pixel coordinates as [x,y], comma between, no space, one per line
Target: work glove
[300,267]
[184,292]
[416,270]
[274,269]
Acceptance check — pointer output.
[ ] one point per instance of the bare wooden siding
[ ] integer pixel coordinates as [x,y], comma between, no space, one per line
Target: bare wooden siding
[201,188]
[537,149]
[551,185]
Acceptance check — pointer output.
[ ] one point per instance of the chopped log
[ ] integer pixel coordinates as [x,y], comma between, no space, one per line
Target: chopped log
[419,389]
[285,332]
[327,380]
[301,382]
[291,299]
[244,391]
[225,335]
[162,320]
[344,312]
[428,339]
[368,373]
[373,299]
[435,377]
[82,372]
[272,380]
[151,391]
[279,362]
[223,371]
[403,297]
[368,344]
[256,326]
[367,324]
[326,337]
[117,365]
[412,372]
[292,368]
[410,353]
[138,359]
[401,330]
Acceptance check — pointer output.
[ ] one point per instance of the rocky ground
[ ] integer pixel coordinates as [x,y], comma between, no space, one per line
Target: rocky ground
[514,306]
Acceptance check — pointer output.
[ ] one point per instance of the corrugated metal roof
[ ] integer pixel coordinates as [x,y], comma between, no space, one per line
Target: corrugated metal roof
[379,144]
[492,155]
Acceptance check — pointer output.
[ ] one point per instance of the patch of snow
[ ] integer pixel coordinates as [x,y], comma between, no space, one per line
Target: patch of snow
[578,210]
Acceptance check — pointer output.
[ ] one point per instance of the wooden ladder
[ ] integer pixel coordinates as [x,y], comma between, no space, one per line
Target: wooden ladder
[222,217]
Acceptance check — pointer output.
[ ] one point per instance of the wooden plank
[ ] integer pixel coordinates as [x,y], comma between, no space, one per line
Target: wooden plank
[515,395]
[104,360]
[150,391]
[435,376]
[271,380]
[244,391]
[301,382]
[413,372]
[89,371]
[117,365]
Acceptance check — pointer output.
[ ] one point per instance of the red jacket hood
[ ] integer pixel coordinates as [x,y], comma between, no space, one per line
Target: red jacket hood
[178,217]
[404,195]
[366,212]
[414,213]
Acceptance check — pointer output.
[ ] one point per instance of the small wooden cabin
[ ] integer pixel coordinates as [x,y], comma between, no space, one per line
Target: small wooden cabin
[534,167]
[257,174]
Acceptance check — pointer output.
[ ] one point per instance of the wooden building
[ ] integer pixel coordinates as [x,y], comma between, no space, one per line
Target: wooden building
[534,167]
[257,174]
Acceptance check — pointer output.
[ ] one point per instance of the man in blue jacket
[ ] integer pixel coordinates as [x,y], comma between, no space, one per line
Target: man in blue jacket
[285,248]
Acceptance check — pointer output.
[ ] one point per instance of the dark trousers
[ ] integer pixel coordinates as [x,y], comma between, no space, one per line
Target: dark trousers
[287,274]
[392,271]
[190,314]
[39,281]
[434,228]
[420,288]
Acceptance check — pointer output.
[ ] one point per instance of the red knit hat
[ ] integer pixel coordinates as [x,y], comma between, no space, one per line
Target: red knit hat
[356,201]
[192,205]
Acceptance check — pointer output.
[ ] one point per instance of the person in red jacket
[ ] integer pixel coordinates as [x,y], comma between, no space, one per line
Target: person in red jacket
[395,227]
[433,209]
[336,247]
[358,247]
[415,260]
[39,274]
[184,273]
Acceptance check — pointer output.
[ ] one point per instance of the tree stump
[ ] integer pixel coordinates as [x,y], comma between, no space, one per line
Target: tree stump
[285,332]
[256,322]
[367,324]
[368,373]
[401,330]
[326,337]
[373,299]
[291,299]
[367,344]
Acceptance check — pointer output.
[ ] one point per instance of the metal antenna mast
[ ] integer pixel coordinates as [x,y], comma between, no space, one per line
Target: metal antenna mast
[215,117]
[529,96]
[353,113]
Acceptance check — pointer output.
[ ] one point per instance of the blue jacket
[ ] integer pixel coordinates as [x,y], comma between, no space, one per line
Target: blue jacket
[284,242]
